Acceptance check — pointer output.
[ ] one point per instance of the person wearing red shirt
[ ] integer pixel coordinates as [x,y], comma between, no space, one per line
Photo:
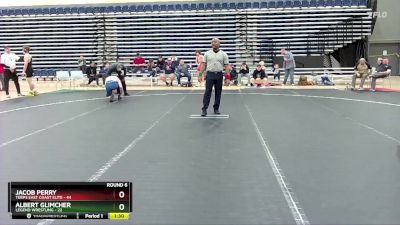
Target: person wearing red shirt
[139,63]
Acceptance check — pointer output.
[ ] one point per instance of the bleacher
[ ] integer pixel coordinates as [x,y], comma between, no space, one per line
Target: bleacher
[250,31]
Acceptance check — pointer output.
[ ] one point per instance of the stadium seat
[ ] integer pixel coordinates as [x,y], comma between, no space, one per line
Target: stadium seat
[38,11]
[224,5]
[156,8]
[7,12]
[193,6]
[346,3]
[118,9]
[147,8]
[209,6]
[171,8]
[339,3]
[248,5]
[264,5]
[46,11]
[201,6]
[296,4]
[363,3]
[67,10]
[217,6]
[17,12]
[132,8]
[185,7]
[355,2]
[60,75]
[163,7]
[232,5]
[139,8]
[178,7]
[31,12]
[81,10]
[53,11]
[330,3]
[125,8]
[305,3]
[24,12]
[240,5]
[256,5]
[74,10]
[89,10]
[280,4]
[288,4]
[313,3]
[271,4]
[110,9]
[321,3]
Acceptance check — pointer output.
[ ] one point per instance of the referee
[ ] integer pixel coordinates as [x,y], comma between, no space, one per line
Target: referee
[215,61]
[118,68]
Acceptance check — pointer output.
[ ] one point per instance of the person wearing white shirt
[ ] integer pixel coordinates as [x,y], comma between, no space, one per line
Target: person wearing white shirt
[113,84]
[9,60]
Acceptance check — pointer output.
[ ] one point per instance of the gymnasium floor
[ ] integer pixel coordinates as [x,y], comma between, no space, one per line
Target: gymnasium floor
[315,156]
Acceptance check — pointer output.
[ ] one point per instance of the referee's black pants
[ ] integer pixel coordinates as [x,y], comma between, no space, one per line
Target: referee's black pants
[213,79]
[8,75]
[122,78]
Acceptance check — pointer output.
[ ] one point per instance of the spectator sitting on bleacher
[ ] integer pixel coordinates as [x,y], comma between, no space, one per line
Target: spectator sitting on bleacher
[152,68]
[277,73]
[82,64]
[259,77]
[244,72]
[175,60]
[383,70]
[139,63]
[234,75]
[169,71]
[91,73]
[361,70]
[160,63]
[183,71]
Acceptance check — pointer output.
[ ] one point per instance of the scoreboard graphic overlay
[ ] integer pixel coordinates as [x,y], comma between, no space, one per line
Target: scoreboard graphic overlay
[70,200]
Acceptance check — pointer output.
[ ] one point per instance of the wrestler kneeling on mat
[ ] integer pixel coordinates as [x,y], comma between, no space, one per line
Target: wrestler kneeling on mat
[113,86]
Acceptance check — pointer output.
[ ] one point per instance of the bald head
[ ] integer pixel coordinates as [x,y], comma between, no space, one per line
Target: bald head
[362,61]
[215,43]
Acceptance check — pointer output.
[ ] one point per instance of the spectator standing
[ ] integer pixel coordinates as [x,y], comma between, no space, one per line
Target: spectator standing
[288,65]
[82,63]
[199,61]
[276,72]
